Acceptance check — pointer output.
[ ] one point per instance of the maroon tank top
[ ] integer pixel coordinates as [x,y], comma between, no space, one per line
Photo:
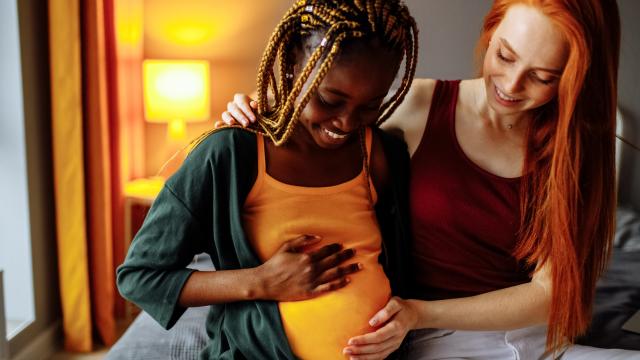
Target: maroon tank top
[465,220]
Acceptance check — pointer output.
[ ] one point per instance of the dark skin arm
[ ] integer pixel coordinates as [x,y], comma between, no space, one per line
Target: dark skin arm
[290,275]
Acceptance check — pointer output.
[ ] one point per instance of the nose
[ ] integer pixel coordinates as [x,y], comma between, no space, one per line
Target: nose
[348,122]
[514,81]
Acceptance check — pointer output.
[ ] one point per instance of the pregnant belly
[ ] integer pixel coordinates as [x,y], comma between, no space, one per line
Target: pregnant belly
[320,328]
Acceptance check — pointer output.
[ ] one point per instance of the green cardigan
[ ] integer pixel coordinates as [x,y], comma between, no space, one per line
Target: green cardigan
[199,210]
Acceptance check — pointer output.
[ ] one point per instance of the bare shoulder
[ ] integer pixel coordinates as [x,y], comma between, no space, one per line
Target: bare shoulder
[410,118]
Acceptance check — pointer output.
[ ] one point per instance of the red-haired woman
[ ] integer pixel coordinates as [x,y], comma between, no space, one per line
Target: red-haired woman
[512,191]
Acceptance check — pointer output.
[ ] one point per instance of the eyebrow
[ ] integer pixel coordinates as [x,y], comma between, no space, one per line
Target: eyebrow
[337,92]
[506,44]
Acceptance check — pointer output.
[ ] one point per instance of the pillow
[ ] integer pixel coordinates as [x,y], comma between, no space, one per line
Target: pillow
[618,291]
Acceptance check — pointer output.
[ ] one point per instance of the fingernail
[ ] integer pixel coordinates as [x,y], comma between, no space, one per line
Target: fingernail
[360,266]
[351,342]
[346,351]
[347,280]
[373,322]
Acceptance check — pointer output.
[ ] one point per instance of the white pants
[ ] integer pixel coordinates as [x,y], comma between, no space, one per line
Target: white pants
[521,344]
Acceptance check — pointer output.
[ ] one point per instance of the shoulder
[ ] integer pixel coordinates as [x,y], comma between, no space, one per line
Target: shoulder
[410,118]
[222,140]
[218,150]
[418,99]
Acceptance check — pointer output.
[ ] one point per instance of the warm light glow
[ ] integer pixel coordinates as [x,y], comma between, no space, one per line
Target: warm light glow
[176,89]
[177,129]
[128,22]
[144,188]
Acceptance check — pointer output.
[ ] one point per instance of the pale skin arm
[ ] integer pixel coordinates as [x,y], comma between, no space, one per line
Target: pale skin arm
[408,121]
[506,309]
[291,274]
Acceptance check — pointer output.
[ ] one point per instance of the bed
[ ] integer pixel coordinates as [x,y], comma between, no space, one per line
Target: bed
[617,299]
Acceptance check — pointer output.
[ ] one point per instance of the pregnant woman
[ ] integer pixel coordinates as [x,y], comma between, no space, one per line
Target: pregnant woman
[311,170]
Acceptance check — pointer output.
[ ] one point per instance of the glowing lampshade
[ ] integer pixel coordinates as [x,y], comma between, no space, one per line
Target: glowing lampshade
[176,91]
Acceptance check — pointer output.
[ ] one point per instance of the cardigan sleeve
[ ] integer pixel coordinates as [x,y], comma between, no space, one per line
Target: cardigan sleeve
[154,271]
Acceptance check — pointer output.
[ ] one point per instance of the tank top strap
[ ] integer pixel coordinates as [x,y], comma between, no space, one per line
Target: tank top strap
[443,103]
[368,141]
[437,135]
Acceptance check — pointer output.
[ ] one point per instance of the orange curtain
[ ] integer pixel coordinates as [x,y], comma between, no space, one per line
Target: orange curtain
[98,167]
[68,172]
[90,162]
[128,142]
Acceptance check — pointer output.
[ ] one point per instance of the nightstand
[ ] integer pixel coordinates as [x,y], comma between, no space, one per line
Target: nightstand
[139,194]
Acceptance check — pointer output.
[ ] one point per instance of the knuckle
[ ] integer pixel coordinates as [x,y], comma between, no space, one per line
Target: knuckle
[305,259]
[341,256]
[333,248]
[393,326]
[307,269]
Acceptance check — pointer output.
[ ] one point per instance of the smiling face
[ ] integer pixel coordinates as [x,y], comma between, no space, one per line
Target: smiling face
[524,61]
[349,96]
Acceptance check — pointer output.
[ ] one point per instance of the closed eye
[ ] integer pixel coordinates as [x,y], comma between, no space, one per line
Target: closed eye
[502,57]
[537,78]
[328,104]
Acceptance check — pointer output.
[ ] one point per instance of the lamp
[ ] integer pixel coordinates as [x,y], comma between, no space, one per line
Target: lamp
[176,91]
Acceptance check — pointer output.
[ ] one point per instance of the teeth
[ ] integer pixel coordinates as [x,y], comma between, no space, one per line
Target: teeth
[504,97]
[334,135]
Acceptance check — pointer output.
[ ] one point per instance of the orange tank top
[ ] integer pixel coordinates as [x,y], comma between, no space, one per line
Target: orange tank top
[275,212]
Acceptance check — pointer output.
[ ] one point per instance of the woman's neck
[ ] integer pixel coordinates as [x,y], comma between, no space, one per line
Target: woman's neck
[516,122]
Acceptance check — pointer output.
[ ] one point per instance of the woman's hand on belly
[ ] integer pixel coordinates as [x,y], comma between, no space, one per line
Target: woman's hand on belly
[293,274]
[396,319]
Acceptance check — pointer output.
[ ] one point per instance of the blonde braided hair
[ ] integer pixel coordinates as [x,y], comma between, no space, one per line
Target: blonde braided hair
[336,20]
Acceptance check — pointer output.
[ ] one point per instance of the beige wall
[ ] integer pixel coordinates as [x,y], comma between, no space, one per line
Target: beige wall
[230,34]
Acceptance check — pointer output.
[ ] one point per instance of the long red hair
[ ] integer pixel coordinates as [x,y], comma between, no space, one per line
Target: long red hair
[568,192]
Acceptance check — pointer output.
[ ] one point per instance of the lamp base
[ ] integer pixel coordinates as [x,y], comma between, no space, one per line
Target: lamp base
[177,130]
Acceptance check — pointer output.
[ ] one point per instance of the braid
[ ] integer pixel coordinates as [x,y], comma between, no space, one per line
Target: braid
[337,21]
